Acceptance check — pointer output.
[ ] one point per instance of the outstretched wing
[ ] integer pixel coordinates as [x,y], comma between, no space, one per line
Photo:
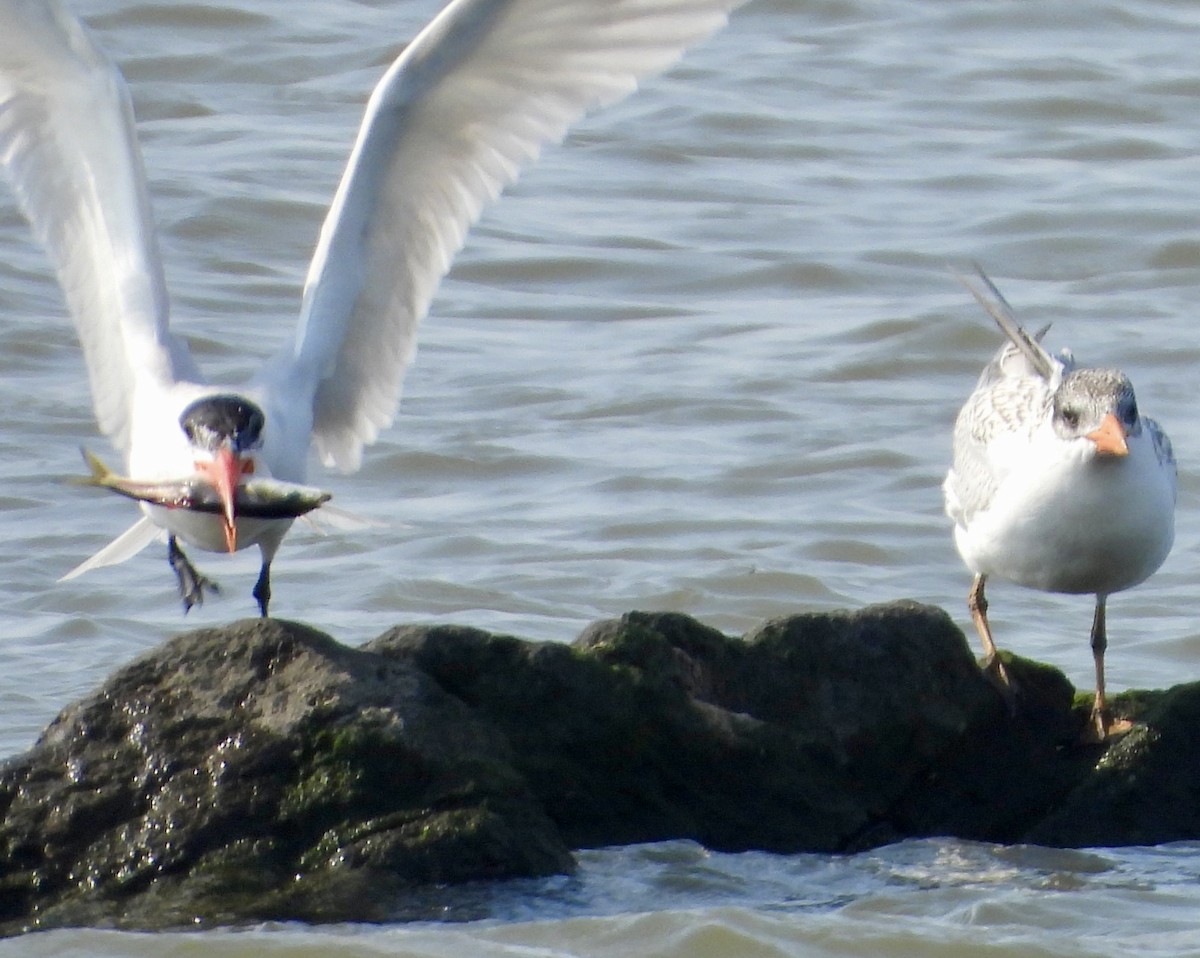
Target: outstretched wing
[68,144]
[124,547]
[471,101]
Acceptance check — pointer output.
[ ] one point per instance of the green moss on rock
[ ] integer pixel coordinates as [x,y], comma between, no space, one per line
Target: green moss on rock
[263,771]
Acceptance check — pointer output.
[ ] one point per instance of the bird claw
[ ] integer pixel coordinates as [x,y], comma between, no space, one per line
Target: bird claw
[192,586]
[1102,727]
[191,582]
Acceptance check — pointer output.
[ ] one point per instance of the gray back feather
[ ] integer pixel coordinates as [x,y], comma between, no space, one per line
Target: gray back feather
[1013,395]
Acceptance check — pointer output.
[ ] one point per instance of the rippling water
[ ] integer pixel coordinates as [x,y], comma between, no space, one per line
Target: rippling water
[704,357]
[928,898]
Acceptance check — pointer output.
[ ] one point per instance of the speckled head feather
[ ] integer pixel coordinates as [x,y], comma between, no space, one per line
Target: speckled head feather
[1086,396]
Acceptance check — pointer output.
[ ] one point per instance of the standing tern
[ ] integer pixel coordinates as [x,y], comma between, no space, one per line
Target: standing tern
[1058,483]
[471,100]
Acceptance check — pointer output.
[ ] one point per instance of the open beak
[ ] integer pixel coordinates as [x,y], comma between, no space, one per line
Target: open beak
[224,472]
[1110,437]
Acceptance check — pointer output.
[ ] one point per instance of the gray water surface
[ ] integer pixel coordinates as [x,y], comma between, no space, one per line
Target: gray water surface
[704,357]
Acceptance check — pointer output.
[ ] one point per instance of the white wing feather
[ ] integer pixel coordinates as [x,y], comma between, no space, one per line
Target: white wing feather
[67,141]
[125,546]
[471,101]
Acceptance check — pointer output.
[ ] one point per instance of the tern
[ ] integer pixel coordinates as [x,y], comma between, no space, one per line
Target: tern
[468,103]
[1058,483]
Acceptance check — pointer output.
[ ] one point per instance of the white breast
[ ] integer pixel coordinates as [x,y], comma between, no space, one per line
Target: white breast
[207,531]
[1066,520]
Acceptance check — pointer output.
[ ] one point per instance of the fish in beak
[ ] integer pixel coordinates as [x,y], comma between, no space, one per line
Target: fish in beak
[225,471]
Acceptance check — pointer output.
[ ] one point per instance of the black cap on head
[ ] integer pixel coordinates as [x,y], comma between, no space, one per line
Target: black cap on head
[213,420]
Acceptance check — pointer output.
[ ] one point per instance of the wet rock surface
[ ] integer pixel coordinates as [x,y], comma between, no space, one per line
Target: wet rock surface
[264,771]
[259,771]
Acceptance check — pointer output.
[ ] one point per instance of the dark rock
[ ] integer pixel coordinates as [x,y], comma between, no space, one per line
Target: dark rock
[1144,789]
[619,751]
[254,772]
[263,771]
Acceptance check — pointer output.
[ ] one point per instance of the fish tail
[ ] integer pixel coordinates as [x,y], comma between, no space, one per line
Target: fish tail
[101,475]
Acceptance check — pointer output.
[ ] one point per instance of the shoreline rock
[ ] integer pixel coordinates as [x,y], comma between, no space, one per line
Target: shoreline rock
[253,772]
[262,771]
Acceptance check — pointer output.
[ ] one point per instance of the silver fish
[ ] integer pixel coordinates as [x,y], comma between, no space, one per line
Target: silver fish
[254,499]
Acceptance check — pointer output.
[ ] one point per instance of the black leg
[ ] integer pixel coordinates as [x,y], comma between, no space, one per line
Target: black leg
[1101,720]
[191,583]
[262,588]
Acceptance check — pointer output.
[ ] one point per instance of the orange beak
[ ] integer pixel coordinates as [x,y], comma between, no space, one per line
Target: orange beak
[224,472]
[1110,437]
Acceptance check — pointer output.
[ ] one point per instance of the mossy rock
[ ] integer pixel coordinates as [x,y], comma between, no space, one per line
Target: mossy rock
[265,772]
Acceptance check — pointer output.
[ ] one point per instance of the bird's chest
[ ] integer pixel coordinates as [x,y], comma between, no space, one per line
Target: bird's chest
[207,530]
[1077,522]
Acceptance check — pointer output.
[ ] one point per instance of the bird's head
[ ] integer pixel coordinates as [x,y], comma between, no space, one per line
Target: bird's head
[224,433]
[1099,405]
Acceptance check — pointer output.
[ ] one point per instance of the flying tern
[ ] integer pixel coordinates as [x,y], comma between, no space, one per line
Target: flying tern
[467,104]
[1058,483]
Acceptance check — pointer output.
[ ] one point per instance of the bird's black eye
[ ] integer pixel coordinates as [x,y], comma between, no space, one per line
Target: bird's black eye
[251,432]
[1070,418]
